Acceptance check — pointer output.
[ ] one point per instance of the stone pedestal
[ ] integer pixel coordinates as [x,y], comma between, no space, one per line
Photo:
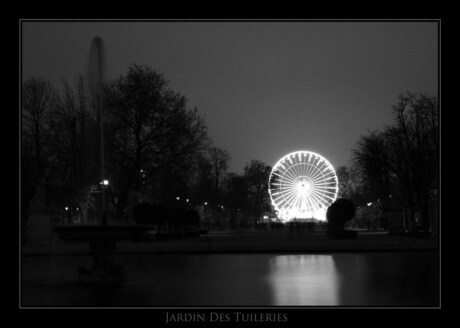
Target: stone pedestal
[103,269]
[102,243]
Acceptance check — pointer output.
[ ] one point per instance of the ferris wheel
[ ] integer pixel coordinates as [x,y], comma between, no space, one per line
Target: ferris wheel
[302,185]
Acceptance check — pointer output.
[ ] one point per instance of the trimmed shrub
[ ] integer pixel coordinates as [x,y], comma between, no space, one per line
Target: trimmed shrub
[339,212]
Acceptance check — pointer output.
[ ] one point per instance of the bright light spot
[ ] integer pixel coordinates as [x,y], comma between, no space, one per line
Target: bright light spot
[66,208]
[265,217]
[105,182]
[178,198]
[369,204]
[205,203]
[303,187]
[186,200]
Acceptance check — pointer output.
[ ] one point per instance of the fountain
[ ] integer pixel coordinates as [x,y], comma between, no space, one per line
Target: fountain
[102,238]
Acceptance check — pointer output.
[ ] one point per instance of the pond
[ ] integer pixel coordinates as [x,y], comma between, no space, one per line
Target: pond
[167,280]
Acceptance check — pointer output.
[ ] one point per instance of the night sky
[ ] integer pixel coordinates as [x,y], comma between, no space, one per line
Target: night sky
[266,88]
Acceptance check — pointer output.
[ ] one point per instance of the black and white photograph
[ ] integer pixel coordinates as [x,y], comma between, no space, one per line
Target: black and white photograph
[229,170]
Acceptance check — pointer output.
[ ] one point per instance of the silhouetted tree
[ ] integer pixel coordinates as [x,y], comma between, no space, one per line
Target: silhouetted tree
[371,160]
[257,174]
[404,158]
[150,127]
[37,101]
[414,142]
[73,150]
[219,160]
[203,181]
[345,175]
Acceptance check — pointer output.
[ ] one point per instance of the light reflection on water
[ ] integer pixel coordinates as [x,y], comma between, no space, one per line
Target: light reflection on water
[349,279]
[303,280]
[355,279]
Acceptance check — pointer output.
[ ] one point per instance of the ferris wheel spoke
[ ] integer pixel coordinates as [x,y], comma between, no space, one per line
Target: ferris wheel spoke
[298,201]
[325,176]
[319,198]
[303,169]
[290,174]
[320,191]
[281,175]
[326,195]
[298,168]
[291,197]
[287,179]
[309,201]
[286,194]
[324,183]
[280,201]
[284,186]
[315,202]
[308,169]
[316,175]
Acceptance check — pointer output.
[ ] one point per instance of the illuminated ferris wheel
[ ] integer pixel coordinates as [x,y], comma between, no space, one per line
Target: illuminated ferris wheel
[302,185]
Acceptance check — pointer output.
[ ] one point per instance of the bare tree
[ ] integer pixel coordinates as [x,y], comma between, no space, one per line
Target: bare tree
[404,157]
[346,176]
[414,141]
[37,101]
[257,174]
[371,160]
[73,150]
[148,127]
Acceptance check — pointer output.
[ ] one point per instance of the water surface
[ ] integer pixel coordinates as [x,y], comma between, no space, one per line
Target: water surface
[345,279]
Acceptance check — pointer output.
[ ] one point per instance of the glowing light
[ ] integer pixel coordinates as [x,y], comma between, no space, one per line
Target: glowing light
[66,208]
[302,185]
